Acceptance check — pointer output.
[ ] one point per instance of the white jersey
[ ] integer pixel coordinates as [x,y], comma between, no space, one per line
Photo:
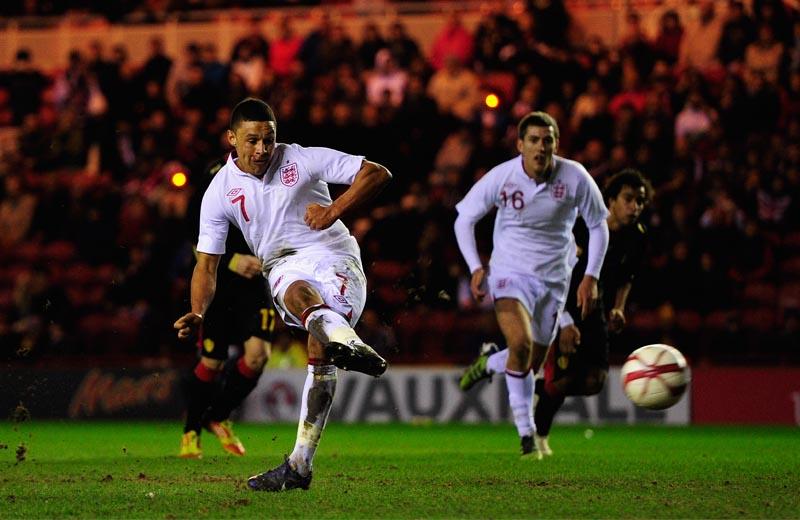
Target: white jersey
[269,211]
[533,228]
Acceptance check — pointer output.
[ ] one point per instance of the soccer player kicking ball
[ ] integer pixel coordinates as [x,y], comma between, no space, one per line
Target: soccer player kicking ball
[577,363]
[538,196]
[277,195]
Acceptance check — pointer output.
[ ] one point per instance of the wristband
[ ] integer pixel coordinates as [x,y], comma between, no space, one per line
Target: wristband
[234,262]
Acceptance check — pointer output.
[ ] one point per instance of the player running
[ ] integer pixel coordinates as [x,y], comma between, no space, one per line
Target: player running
[538,196]
[277,194]
[577,363]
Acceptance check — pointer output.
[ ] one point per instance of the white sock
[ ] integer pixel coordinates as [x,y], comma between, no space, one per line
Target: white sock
[520,395]
[327,326]
[314,408]
[496,364]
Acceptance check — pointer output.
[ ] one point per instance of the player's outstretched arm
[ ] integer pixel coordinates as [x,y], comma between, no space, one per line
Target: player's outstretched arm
[616,317]
[204,284]
[587,295]
[369,181]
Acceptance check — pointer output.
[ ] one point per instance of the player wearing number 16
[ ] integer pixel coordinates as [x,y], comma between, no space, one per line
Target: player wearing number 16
[538,196]
[277,195]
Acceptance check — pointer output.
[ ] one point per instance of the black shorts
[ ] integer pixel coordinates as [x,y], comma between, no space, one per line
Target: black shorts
[241,309]
[590,354]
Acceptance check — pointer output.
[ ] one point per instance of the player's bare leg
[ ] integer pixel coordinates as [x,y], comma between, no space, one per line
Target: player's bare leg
[515,324]
[342,345]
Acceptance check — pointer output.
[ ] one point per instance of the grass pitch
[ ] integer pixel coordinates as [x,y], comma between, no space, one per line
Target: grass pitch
[129,470]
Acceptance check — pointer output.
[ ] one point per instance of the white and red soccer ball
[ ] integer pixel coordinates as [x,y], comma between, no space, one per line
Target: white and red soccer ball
[655,376]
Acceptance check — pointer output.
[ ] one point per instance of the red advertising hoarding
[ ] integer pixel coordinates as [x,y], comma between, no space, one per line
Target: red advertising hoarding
[739,395]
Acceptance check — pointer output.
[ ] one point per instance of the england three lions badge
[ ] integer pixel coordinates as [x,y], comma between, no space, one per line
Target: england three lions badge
[289,175]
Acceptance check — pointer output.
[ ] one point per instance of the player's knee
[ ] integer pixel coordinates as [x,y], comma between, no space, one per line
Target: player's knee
[595,381]
[256,354]
[213,364]
[300,296]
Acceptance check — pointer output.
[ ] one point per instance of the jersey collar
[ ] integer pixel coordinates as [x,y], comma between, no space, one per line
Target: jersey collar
[271,167]
[553,174]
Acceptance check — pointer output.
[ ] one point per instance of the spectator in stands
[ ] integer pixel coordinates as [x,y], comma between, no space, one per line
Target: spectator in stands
[738,32]
[456,90]
[497,38]
[636,45]
[699,44]
[371,42]
[385,77]
[670,35]
[284,50]
[253,40]
[453,41]
[176,85]
[552,22]
[17,208]
[250,66]
[25,86]
[403,47]
[695,120]
[158,65]
[764,55]
[747,150]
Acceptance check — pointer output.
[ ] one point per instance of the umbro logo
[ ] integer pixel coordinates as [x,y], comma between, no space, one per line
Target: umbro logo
[234,192]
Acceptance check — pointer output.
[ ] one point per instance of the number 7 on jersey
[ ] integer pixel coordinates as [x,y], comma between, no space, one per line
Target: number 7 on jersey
[240,200]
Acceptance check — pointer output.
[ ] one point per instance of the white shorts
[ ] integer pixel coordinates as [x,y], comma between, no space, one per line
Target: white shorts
[544,301]
[339,279]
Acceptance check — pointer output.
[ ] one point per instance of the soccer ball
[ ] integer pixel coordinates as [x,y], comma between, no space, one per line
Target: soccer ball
[654,376]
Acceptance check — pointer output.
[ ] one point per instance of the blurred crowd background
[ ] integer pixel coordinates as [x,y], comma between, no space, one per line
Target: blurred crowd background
[96,232]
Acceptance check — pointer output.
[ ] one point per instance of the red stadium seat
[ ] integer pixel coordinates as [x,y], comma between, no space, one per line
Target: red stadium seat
[688,320]
[6,298]
[60,251]
[391,295]
[79,274]
[762,319]
[644,320]
[441,321]
[789,297]
[791,242]
[790,269]
[762,293]
[719,320]
[388,270]
[28,252]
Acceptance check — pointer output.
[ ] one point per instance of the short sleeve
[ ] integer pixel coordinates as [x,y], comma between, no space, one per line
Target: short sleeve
[481,198]
[589,200]
[331,166]
[213,224]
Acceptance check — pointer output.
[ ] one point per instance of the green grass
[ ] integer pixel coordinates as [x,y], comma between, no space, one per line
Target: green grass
[128,470]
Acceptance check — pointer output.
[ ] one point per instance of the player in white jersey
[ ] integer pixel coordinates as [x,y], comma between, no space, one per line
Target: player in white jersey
[538,196]
[277,195]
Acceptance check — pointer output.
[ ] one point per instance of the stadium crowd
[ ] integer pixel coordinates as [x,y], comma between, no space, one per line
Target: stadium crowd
[95,249]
